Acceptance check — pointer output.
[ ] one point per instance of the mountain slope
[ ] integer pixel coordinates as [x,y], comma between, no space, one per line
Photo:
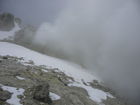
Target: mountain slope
[74,78]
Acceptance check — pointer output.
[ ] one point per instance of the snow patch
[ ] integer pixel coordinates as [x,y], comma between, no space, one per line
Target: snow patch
[54,96]
[14,100]
[20,78]
[44,70]
[94,94]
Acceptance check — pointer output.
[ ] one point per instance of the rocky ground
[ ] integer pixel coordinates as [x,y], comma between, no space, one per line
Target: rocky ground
[39,83]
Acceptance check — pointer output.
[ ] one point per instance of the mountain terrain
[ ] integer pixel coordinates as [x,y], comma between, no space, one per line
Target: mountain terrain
[28,77]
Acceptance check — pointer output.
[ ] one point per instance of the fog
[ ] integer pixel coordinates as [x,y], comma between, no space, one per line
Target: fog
[102,36]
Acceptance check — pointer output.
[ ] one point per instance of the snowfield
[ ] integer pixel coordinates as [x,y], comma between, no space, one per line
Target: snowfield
[40,59]
[68,68]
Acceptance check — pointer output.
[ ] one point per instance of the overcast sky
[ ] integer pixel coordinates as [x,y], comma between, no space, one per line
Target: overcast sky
[33,11]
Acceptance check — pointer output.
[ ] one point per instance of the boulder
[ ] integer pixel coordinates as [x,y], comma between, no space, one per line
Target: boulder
[41,93]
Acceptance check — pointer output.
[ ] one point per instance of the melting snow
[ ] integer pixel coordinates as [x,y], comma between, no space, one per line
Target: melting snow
[14,100]
[94,94]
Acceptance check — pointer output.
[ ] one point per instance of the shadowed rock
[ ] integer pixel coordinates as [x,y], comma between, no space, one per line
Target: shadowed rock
[41,93]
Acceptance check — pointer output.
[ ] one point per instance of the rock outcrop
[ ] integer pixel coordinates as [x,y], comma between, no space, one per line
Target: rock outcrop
[6,21]
[41,93]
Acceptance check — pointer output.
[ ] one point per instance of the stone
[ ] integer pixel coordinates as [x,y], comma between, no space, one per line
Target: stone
[5,57]
[41,93]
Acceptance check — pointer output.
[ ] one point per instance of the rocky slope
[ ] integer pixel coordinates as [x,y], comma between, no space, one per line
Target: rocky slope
[39,82]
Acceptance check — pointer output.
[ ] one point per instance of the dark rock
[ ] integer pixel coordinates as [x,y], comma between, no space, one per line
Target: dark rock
[4,95]
[6,22]
[5,57]
[41,93]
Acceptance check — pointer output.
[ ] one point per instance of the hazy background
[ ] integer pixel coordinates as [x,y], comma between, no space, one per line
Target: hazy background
[102,36]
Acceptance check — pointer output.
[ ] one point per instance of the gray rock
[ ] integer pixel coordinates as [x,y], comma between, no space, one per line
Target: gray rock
[41,93]
[6,22]
[5,57]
